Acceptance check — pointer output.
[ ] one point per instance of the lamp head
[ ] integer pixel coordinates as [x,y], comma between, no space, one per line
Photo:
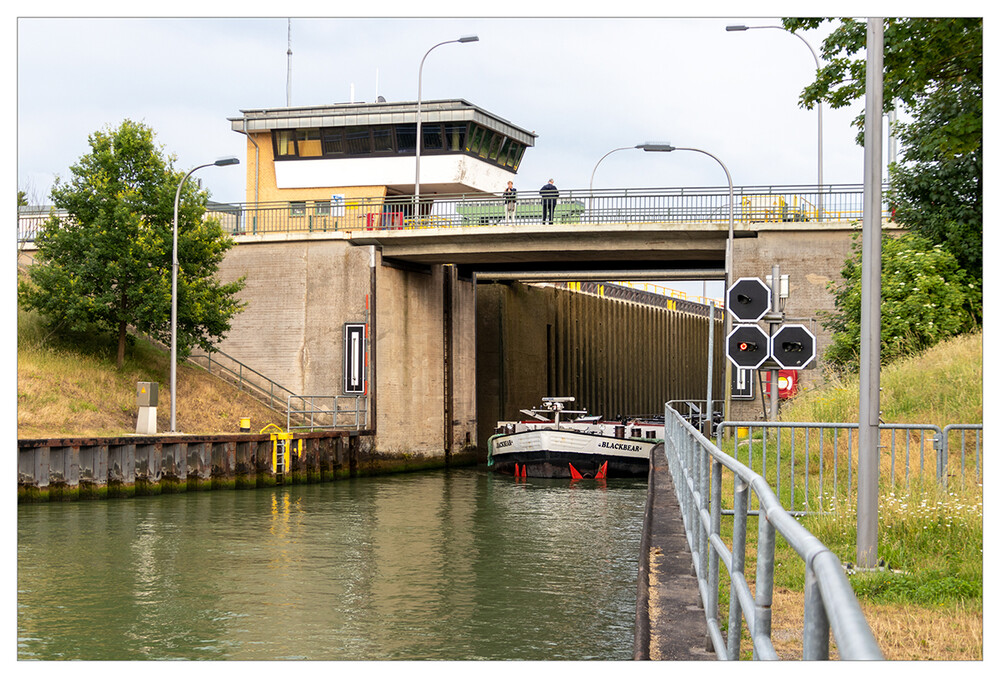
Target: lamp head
[469,38]
[229,160]
[737,28]
[661,147]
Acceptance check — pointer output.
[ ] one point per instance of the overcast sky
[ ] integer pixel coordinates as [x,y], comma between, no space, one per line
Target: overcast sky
[585,86]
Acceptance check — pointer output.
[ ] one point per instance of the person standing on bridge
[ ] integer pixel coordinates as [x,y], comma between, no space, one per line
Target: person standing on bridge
[510,202]
[549,194]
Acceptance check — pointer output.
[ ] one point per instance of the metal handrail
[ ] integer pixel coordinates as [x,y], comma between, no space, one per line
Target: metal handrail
[830,605]
[602,206]
[272,391]
[313,415]
[752,204]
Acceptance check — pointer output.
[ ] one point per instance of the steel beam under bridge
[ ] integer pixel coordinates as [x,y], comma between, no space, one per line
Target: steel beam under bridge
[599,276]
[693,250]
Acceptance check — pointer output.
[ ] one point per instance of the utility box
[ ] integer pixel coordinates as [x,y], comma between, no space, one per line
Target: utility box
[147,393]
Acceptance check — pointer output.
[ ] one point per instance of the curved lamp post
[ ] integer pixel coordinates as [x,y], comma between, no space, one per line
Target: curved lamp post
[819,110]
[642,147]
[221,162]
[667,148]
[420,141]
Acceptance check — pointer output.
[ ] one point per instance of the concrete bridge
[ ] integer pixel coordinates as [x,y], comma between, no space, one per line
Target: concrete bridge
[442,362]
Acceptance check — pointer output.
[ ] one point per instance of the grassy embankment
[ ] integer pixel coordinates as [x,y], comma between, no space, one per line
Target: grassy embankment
[929,604]
[68,386]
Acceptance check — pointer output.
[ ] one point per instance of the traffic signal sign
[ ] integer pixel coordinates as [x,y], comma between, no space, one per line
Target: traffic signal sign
[748,299]
[793,347]
[747,346]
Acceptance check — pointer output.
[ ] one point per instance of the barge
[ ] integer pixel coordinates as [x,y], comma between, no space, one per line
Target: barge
[556,442]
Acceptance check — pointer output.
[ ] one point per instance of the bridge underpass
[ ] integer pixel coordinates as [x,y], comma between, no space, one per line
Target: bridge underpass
[412,283]
[415,289]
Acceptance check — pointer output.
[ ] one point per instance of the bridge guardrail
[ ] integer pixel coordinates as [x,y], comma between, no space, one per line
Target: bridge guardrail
[830,605]
[752,204]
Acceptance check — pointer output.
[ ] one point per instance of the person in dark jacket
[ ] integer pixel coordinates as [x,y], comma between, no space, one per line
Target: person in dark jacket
[549,194]
[510,202]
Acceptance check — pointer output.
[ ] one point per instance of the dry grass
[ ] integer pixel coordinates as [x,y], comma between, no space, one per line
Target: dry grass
[72,388]
[903,632]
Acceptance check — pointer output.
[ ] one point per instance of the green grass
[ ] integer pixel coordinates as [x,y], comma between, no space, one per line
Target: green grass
[943,385]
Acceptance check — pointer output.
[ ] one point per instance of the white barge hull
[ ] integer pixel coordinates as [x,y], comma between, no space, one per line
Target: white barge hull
[558,453]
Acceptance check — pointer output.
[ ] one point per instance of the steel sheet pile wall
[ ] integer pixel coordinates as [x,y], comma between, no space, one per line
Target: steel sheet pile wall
[101,468]
[616,357]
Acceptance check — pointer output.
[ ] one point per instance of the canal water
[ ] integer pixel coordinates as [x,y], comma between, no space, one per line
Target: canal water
[450,565]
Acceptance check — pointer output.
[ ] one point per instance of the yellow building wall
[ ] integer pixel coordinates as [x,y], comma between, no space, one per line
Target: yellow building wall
[268,191]
[362,203]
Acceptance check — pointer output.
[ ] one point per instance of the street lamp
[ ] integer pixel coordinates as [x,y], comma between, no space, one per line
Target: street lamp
[819,109]
[667,148]
[642,147]
[221,162]
[420,84]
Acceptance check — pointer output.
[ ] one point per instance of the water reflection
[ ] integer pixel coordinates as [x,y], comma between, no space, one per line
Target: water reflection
[445,565]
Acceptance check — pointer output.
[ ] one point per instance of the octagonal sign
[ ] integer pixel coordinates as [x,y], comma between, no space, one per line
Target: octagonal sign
[748,299]
[793,347]
[747,346]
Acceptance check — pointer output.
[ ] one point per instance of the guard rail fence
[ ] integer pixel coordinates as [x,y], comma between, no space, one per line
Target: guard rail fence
[830,606]
[807,461]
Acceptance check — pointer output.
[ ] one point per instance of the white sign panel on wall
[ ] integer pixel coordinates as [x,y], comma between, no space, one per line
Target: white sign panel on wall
[354,358]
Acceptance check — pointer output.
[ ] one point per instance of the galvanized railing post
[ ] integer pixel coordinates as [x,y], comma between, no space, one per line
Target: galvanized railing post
[704,520]
[764,593]
[816,626]
[712,602]
[741,490]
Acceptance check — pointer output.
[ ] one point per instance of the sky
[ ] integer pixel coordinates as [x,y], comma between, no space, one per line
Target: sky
[586,86]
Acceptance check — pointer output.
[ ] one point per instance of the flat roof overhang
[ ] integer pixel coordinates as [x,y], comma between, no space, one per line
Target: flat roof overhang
[383,113]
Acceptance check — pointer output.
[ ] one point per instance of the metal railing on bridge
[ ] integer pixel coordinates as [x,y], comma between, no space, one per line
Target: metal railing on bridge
[830,605]
[752,204]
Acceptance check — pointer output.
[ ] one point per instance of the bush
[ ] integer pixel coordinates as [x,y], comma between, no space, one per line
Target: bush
[926,297]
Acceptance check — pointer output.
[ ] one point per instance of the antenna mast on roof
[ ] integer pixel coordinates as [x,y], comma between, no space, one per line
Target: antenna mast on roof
[288,85]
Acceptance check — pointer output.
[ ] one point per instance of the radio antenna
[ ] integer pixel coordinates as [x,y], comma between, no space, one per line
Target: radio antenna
[288,83]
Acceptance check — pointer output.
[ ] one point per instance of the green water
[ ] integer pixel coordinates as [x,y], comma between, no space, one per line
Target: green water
[454,565]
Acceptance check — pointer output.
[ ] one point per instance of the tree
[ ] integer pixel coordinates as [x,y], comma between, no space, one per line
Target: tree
[933,67]
[926,297]
[107,264]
